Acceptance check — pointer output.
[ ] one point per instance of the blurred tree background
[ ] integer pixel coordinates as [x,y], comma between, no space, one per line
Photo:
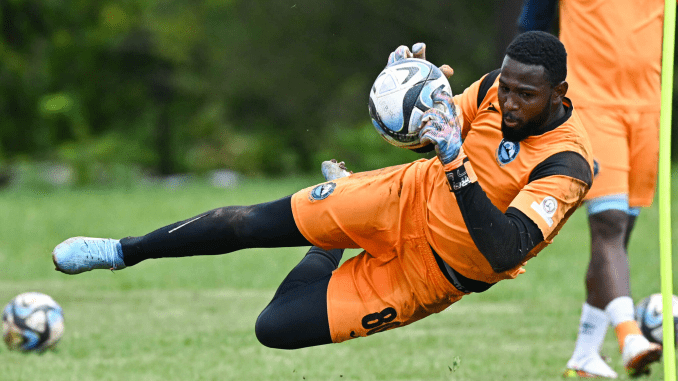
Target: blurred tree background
[258,87]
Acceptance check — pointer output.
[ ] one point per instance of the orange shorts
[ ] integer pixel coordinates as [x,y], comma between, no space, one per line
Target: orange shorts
[626,147]
[396,280]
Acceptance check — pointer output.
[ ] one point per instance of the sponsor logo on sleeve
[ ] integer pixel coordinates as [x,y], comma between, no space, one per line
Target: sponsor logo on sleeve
[546,209]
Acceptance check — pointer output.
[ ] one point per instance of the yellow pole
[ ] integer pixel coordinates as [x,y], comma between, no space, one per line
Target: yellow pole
[664,190]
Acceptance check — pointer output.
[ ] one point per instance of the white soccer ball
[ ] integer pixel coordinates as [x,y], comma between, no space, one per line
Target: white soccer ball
[649,317]
[399,97]
[32,322]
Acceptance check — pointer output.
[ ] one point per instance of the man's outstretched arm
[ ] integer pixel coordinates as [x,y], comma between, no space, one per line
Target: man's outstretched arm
[504,239]
[554,189]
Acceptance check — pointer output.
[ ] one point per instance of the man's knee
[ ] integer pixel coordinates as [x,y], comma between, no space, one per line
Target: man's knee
[284,325]
[267,330]
[608,225]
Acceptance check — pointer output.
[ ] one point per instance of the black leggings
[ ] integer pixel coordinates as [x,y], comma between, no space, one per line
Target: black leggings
[219,231]
[297,315]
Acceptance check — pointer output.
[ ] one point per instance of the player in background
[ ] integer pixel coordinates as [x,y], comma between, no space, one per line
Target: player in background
[432,230]
[614,63]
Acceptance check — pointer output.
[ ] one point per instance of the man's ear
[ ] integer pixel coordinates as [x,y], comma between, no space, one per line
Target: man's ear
[559,92]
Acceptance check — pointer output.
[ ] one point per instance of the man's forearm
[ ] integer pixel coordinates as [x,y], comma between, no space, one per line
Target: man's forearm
[504,239]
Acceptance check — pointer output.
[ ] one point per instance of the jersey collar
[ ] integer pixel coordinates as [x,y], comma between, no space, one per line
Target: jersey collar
[553,125]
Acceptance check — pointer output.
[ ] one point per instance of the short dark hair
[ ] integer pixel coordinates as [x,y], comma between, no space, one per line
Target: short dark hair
[543,49]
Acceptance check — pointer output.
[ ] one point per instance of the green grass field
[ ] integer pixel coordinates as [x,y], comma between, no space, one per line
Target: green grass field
[193,318]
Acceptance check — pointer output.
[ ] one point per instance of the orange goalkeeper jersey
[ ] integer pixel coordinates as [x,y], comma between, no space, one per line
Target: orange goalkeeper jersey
[392,212]
[504,170]
[614,52]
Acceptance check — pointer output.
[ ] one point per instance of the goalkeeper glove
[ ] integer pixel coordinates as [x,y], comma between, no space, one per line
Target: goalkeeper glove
[418,51]
[443,129]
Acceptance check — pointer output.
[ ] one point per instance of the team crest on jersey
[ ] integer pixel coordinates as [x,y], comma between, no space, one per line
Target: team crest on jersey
[322,191]
[507,151]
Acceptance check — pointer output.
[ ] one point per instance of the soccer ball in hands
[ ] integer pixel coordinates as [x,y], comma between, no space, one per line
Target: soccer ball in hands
[400,96]
[32,322]
[649,317]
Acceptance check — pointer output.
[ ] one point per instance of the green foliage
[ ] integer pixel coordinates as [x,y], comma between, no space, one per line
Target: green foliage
[255,86]
[363,149]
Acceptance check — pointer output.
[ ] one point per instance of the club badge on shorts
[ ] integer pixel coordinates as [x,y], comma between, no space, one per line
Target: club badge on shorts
[322,191]
[507,152]
[546,209]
